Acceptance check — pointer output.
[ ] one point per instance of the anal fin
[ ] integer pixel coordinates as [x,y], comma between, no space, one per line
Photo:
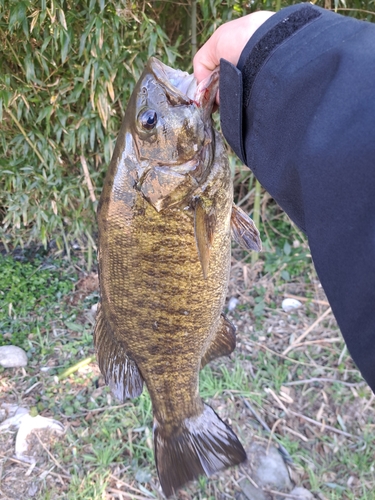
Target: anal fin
[223,343]
[119,370]
[244,231]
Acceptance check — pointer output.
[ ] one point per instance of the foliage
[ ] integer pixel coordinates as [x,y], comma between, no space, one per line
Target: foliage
[29,296]
[67,72]
[68,69]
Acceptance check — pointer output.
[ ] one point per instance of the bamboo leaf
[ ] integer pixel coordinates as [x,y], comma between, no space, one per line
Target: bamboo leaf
[17,14]
[65,40]
[62,19]
[29,68]
[111,91]
[35,17]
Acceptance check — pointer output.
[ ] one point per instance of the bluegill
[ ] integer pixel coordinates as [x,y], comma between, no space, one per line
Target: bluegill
[165,219]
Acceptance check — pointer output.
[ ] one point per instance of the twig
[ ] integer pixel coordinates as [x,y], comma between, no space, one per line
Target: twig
[260,420]
[306,299]
[272,433]
[127,495]
[319,424]
[267,390]
[120,481]
[279,493]
[31,388]
[261,346]
[88,178]
[256,215]
[51,456]
[265,426]
[23,131]
[295,433]
[99,410]
[75,367]
[36,468]
[357,10]
[329,380]
[320,341]
[306,332]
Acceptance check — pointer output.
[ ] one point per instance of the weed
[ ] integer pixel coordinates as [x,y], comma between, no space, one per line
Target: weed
[30,293]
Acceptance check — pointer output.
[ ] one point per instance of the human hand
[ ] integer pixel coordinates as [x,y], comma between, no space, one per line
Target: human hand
[227,42]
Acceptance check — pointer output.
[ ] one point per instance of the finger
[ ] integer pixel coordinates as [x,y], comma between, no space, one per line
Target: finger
[205,60]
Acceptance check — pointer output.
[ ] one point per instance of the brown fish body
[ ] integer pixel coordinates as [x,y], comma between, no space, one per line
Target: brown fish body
[166,312]
[164,221]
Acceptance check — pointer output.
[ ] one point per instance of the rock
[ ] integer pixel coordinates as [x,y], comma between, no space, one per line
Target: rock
[28,425]
[289,305]
[270,469]
[12,356]
[232,304]
[300,493]
[11,416]
[250,492]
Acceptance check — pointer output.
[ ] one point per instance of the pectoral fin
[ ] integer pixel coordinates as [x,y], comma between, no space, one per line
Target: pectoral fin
[119,370]
[244,231]
[204,227]
[223,343]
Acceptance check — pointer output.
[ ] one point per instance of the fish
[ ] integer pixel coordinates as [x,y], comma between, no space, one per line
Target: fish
[165,221]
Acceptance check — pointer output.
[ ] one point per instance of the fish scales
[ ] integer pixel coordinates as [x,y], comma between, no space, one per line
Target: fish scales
[166,312]
[165,218]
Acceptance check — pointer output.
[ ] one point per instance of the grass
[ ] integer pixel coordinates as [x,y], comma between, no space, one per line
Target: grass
[108,447]
[30,297]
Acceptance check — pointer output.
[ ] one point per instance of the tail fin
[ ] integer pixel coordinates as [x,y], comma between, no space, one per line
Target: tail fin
[203,445]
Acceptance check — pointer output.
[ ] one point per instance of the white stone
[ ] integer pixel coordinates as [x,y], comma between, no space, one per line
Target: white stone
[12,356]
[290,304]
[13,415]
[232,304]
[28,425]
[300,493]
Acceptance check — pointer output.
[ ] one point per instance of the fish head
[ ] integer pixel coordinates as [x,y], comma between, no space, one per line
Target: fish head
[169,119]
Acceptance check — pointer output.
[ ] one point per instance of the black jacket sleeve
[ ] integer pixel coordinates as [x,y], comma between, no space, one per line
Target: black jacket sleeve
[299,110]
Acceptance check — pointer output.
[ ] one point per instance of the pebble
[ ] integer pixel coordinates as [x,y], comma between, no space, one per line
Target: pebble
[28,425]
[12,356]
[271,468]
[301,493]
[268,470]
[232,304]
[289,305]
[11,416]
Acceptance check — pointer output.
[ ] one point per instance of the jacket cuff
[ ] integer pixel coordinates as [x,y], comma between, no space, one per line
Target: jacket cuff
[236,82]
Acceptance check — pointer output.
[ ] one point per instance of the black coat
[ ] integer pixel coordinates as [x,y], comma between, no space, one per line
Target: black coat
[299,110]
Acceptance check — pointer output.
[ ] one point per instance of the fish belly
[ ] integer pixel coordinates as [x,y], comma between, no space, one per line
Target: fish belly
[160,306]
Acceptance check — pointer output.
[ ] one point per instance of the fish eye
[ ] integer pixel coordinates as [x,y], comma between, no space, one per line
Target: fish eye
[148,119]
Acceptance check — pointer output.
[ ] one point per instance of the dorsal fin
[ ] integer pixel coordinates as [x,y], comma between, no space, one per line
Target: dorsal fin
[244,231]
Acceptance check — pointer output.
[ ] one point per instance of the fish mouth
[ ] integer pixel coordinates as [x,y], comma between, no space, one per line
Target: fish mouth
[183,88]
[175,81]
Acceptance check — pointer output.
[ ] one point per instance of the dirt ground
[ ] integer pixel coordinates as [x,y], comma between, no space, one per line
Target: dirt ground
[291,384]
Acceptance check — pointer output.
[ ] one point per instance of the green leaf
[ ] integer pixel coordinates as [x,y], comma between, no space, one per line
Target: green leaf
[75,327]
[17,14]
[29,68]
[62,19]
[285,275]
[65,41]
[45,112]
[287,248]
